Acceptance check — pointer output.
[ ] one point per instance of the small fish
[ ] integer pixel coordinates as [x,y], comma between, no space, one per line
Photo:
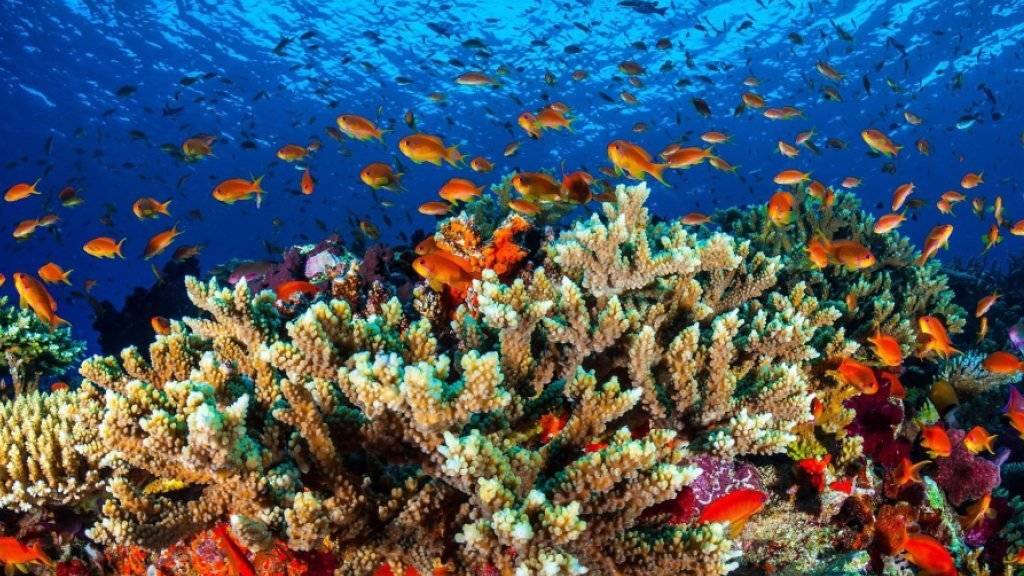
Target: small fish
[183,253]
[791,177]
[292,152]
[104,247]
[781,208]
[929,555]
[524,206]
[16,555]
[1003,363]
[475,79]
[359,128]
[160,325]
[21,191]
[936,441]
[888,223]
[69,197]
[32,294]
[695,219]
[979,440]
[52,273]
[880,143]
[147,207]
[851,254]
[858,375]
[460,189]
[306,183]
[434,208]
[992,237]
[379,175]
[908,472]
[886,348]
[550,425]
[160,241]
[900,195]
[633,160]
[937,238]
[943,395]
[971,180]
[985,304]
[734,508]
[235,189]
[701,106]
[429,148]
[934,338]
[286,290]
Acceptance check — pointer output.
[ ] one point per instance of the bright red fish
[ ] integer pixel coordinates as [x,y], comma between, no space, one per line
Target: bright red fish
[734,508]
[936,441]
[929,555]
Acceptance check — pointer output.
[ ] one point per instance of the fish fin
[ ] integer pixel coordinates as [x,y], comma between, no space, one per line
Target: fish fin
[453,156]
[118,248]
[657,171]
[64,278]
[36,183]
[163,208]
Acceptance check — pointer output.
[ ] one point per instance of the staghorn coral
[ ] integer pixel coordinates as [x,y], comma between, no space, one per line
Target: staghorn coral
[891,295]
[30,349]
[969,378]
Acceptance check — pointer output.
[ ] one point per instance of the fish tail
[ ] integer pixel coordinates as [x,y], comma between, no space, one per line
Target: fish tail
[36,183]
[117,249]
[162,208]
[64,278]
[56,321]
[453,156]
[256,183]
[657,170]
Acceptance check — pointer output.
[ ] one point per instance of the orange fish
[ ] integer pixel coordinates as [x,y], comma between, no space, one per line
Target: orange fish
[686,157]
[550,426]
[851,301]
[460,189]
[235,189]
[511,149]
[850,182]
[147,207]
[715,137]
[696,219]
[937,238]
[422,148]
[815,468]
[1004,363]
[576,187]
[3,279]
[292,152]
[1018,228]
[32,294]
[971,180]
[852,254]
[440,269]
[359,128]
[160,241]
[735,508]
[858,375]
[788,150]
[997,210]
[952,196]
[69,197]
[978,439]
[944,206]
[791,177]
[1015,410]
[635,161]
[828,71]
[929,555]
[104,247]
[198,147]
[475,79]
[721,164]
[992,237]
[817,190]
[923,147]
[537,185]
[886,348]
[982,329]
[896,388]
[481,164]
[528,121]
[880,143]
[752,100]
[935,439]
[551,118]
[980,510]
[888,223]
[908,472]
[899,196]
[52,273]
[985,304]
[25,228]
[185,252]
[781,208]
[525,207]
[804,137]
[21,191]
[379,175]
[369,229]
[978,206]
[160,325]
[306,184]
[936,339]
[15,554]
[434,208]
[286,290]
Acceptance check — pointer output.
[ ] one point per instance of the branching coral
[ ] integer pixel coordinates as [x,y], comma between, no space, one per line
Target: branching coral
[30,349]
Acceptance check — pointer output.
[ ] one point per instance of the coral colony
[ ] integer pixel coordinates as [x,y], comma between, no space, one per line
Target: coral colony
[618,396]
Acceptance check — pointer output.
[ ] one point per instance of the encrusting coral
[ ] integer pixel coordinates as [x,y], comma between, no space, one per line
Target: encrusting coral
[577,414]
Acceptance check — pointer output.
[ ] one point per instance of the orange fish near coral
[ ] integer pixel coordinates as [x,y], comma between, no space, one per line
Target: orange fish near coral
[235,189]
[900,195]
[576,187]
[985,304]
[935,439]
[635,161]
[852,254]
[15,555]
[977,512]
[160,241]
[525,207]
[781,208]
[550,425]
[286,290]
[817,252]
[935,338]
[160,325]
[32,294]
[879,142]
[937,238]
[481,164]
[929,555]
[858,375]
[978,440]
[234,553]
[908,472]
[434,208]
[1003,363]
[440,269]
[888,223]
[735,508]
[460,189]
[422,148]
[791,177]
[886,348]
[695,219]
[537,185]
[971,180]
[52,273]
[104,247]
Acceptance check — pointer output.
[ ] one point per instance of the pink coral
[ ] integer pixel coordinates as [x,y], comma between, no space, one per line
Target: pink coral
[962,475]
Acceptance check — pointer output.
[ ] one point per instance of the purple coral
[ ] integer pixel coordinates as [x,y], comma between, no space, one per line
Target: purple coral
[962,475]
[719,476]
[878,417]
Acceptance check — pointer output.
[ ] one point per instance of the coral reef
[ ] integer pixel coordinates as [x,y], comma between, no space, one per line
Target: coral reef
[30,350]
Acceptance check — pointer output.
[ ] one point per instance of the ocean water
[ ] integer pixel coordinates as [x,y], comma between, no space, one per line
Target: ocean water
[90,90]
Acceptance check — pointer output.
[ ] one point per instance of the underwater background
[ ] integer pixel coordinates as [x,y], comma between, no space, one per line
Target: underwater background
[92,90]
[618,288]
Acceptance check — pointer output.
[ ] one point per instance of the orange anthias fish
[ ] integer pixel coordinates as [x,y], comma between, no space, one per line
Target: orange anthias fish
[715,137]
[852,254]
[306,184]
[828,71]
[422,148]
[1017,229]
[198,147]
[735,508]
[850,182]
[551,118]
[52,273]
[524,207]
[815,468]
[937,238]
[147,207]
[104,247]
[982,329]
[985,304]
[34,295]
[879,142]
[69,197]
[680,157]
[460,189]
[286,290]
[935,338]
[791,177]
[550,425]
[858,375]
[21,191]
[25,228]
[537,185]
[576,187]
[752,100]
[695,219]
[1004,363]
[160,325]
[160,241]
[980,510]
[936,441]
[434,208]
[971,180]
[441,269]
[978,439]
[818,252]
[379,175]
[15,554]
[899,196]
[929,555]
[475,79]
[886,348]
[528,121]
[782,208]
[788,150]
[908,472]
[888,223]
[635,161]
[481,164]
[292,152]
[992,237]
[235,189]
[359,128]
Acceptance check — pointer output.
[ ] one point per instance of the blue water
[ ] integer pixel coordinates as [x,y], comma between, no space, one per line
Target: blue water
[63,63]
